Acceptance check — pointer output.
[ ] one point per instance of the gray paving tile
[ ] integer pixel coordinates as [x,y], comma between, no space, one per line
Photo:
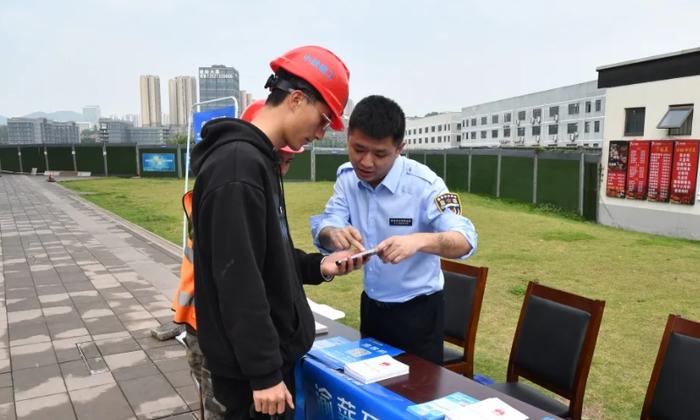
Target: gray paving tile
[32,355]
[128,359]
[152,397]
[55,406]
[6,395]
[66,349]
[104,325]
[37,382]
[128,373]
[171,365]
[7,411]
[77,376]
[105,402]
[117,345]
[5,379]
[175,349]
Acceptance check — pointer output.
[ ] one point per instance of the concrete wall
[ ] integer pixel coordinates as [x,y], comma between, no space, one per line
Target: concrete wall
[660,218]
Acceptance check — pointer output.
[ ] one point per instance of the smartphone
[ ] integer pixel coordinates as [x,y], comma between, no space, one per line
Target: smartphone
[363,254]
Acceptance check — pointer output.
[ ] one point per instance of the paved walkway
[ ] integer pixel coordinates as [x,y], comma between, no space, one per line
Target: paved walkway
[79,292]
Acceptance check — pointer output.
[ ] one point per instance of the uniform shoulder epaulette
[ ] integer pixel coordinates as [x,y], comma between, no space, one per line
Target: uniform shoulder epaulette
[421,171]
[343,168]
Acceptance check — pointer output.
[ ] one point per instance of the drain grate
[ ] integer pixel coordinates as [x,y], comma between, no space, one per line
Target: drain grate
[92,357]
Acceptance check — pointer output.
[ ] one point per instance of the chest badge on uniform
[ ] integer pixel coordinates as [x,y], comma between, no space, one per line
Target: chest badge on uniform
[449,201]
[400,221]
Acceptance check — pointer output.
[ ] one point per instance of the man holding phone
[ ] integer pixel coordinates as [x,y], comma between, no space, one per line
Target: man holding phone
[403,209]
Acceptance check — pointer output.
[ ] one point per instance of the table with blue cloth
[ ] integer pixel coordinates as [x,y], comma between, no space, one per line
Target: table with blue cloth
[324,393]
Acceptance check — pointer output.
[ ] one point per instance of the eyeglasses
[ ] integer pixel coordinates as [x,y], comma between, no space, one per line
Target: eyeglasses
[325,119]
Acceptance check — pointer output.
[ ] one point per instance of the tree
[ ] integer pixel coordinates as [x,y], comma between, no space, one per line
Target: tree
[177,138]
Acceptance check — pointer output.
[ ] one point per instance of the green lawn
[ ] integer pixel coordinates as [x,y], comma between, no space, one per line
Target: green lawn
[641,277]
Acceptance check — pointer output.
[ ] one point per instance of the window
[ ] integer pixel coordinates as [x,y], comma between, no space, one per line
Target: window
[553,129]
[439,128]
[473,135]
[678,120]
[634,121]
[459,138]
[473,122]
[536,130]
[521,131]
[588,106]
[573,108]
[506,117]
[506,132]
[494,119]
[439,139]
[537,113]
[483,134]
[571,128]
[587,127]
[459,126]
[596,126]
[466,123]
[521,115]
[553,111]
[432,139]
[432,129]
[484,120]
[420,131]
[420,141]
[494,134]
[598,104]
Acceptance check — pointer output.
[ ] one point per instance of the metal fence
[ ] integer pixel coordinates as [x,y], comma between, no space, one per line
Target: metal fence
[568,179]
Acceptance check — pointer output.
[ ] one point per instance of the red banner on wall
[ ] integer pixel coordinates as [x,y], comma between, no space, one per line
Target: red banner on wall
[617,169]
[685,171]
[660,165]
[637,169]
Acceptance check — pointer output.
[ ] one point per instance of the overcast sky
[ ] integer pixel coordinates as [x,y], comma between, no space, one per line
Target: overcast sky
[427,55]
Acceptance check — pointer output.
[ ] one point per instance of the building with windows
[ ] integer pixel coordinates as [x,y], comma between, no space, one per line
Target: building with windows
[91,114]
[438,131]
[566,116]
[650,150]
[119,132]
[182,94]
[218,81]
[150,101]
[41,131]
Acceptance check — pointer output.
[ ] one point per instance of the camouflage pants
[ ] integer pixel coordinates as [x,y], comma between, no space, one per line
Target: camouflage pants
[213,410]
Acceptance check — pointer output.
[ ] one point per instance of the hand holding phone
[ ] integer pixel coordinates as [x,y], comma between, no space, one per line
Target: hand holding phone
[360,255]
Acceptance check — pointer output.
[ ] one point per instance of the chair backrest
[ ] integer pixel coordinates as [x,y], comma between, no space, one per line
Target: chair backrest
[463,292]
[554,342]
[674,387]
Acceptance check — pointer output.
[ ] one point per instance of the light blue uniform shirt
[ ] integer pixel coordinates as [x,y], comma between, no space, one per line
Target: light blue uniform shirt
[403,203]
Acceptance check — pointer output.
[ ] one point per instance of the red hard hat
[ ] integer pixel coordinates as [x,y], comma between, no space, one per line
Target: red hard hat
[324,71]
[252,109]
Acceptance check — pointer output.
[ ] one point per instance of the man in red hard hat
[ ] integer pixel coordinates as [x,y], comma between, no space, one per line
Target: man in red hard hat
[253,320]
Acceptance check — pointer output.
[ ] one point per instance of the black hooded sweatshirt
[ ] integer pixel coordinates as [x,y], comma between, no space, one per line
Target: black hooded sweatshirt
[253,320]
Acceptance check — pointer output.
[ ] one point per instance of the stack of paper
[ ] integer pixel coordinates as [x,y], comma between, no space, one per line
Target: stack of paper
[488,409]
[375,369]
[336,352]
[436,409]
[321,328]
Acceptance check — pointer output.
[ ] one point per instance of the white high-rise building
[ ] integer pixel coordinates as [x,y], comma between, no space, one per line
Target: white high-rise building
[150,101]
[182,92]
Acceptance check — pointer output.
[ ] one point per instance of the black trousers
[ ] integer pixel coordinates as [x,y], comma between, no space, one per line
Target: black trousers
[237,397]
[415,326]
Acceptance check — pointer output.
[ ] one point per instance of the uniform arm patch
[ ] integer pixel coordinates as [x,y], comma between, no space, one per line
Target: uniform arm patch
[450,202]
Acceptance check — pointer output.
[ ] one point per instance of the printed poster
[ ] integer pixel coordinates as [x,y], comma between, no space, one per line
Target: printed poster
[617,169]
[685,171]
[660,165]
[637,170]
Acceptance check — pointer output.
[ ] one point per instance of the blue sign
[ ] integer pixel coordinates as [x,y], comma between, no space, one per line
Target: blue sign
[158,162]
[324,393]
[201,118]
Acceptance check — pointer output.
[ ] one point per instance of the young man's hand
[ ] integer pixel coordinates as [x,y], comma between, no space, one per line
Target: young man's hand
[330,266]
[395,249]
[273,400]
[341,238]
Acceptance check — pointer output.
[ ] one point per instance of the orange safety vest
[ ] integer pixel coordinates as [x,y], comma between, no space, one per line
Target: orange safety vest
[183,302]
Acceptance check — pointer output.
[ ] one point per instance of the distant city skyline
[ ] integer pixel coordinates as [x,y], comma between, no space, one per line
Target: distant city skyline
[427,57]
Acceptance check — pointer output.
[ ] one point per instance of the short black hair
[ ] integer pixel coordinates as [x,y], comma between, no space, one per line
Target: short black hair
[378,117]
[286,80]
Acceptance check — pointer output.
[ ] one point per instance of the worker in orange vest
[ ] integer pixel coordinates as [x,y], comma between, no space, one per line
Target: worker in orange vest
[183,302]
